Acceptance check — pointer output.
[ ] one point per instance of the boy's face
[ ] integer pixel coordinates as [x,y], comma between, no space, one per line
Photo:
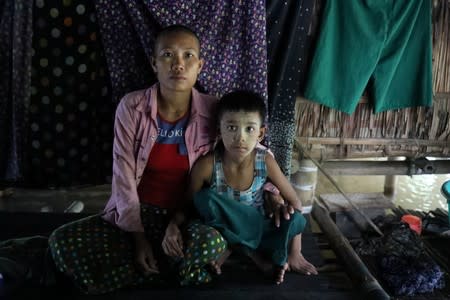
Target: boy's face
[240,132]
[177,62]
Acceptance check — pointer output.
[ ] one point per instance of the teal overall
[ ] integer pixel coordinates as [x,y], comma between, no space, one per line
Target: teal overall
[239,215]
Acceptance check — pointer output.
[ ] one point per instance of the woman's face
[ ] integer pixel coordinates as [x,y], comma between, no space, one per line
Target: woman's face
[177,62]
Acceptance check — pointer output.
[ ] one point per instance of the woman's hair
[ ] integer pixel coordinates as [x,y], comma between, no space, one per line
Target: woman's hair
[176,28]
[241,100]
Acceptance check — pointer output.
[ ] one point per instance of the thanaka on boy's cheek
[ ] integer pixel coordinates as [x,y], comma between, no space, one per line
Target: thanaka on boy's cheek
[240,132]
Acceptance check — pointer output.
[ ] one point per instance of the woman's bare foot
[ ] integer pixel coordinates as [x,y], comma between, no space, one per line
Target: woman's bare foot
[217,264]
[297,263]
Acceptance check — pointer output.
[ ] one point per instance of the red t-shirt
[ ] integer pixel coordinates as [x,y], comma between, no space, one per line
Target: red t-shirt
[165,177]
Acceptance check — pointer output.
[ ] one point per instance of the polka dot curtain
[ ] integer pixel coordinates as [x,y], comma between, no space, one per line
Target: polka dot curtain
[288,24]
[71,112]
[15,64]
[232,34]
[68,120]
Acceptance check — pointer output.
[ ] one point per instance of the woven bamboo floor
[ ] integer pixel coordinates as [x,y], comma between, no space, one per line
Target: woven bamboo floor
[239,280]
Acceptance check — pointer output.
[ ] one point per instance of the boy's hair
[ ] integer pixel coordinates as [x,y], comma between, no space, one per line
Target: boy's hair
[241,100]
[176,28]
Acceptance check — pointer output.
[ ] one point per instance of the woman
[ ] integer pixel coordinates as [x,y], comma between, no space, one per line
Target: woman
[143,235]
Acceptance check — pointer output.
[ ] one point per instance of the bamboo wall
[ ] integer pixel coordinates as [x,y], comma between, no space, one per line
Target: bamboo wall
[414,132]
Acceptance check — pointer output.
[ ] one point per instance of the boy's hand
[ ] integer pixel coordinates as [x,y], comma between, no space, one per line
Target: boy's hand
[275,207]
[173,242]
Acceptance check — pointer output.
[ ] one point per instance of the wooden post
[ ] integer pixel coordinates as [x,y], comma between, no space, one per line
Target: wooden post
[304,181]
[390,181]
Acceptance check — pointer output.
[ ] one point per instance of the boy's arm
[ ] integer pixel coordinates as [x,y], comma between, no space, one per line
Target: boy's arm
[273,201]
[200,175]
[276,176]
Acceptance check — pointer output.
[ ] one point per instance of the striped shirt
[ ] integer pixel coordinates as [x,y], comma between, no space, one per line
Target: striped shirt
[253,196]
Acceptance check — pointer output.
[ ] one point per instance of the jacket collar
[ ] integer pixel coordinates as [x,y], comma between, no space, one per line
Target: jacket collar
[198,107]
[148,101]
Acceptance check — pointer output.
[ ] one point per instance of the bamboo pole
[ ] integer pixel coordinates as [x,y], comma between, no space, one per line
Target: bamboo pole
[356,269]
[328,153]
[371,141]
[404,167]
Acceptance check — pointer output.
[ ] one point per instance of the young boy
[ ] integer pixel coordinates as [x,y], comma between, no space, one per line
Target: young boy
[235,174]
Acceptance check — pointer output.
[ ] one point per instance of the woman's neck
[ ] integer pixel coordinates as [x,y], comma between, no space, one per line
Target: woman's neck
[172,106]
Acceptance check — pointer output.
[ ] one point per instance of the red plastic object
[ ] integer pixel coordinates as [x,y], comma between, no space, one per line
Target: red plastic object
[415,223]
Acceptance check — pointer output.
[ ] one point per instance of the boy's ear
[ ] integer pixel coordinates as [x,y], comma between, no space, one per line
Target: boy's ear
[218,134]
[262,132]
[153,64]
[218,138]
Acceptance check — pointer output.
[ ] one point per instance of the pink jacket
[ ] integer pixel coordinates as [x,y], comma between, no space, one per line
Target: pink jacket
[135,132]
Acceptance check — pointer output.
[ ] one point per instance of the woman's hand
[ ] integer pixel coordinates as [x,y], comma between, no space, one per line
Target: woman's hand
[275,207]
[145,261]
[173,242]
